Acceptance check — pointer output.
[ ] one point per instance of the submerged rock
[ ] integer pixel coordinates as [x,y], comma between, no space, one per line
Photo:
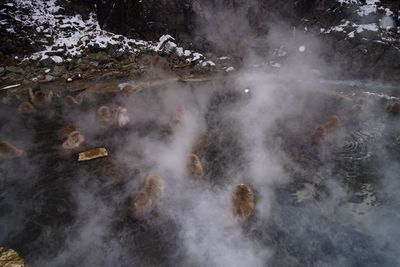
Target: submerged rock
[93,154]
[10,258]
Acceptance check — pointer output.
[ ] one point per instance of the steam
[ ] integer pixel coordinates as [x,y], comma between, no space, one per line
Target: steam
[257,131]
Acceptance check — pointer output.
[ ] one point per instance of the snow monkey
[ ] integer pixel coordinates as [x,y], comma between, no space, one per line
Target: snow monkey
[104,116]
[120,117]
[195,168]
[333,124]
[40,99]
[8,151]
[319,135]
[112,117]
[149,193]
[74,140]
[26,108]
[243,201]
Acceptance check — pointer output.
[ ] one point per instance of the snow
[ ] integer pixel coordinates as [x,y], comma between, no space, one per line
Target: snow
[11,86]
[369,8]
[275,64]
[387,22]
[121,86]
[280,52]
[230,69]
[208,63]
[369,27]
[57,59]
[348,1]
[163,40]
[61,32]
[196,57]
[358,27]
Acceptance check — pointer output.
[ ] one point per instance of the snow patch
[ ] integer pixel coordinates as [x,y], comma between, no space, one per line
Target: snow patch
[11,86]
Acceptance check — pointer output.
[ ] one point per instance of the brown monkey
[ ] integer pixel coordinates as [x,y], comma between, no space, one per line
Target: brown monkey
[179,115]
[64,132]
[75,101]
[74,140]
[333,124]
[26,108]
[195,168]
[394,108]
[160,63]
[105,116]
[142,202]
[40,99]
[243,201]
[356,110]
[151,190]
[71,101]
[8,151]
[319,135]
[120,116]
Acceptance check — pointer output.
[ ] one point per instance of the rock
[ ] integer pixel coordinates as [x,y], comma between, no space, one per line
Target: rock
[58,71]
[15,70]
[46,62]
[100,57]
[49,78]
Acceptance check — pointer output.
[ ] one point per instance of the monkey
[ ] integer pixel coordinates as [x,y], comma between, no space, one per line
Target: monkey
[120,117]
[8,151]
[40,99]
[142,202]
[71,101]
[394,108]
[151,190]
[26,108]
[64,132]
[178,116]
[333,124]
[195,168]
[154,185]
[243,201]
[319,135]
[356,110]
[74,140]
[104,116]
[158,62]
[75,101]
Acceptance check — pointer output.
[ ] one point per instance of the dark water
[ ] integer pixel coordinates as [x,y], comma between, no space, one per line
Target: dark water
[57,212]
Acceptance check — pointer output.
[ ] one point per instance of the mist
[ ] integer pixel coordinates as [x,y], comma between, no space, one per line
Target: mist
[333,203]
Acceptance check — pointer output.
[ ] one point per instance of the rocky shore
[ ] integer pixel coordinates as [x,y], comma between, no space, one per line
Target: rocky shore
[45,41]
